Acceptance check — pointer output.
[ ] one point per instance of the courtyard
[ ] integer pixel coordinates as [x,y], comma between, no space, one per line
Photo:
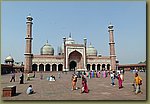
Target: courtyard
[99,88]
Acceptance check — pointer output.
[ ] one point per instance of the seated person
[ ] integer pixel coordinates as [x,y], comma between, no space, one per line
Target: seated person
[30,90]
[52,78]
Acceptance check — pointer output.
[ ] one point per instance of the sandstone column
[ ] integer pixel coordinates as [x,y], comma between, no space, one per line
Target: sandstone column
[28,51]
[112,47]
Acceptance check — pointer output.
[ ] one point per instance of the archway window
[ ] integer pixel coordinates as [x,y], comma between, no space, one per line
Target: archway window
[103,66]
[47,67]
[93,67]
[60,67]
[54,67]
[73,65]
[98,67]
[88,67]
[108,66]
[34,67]
[41,67]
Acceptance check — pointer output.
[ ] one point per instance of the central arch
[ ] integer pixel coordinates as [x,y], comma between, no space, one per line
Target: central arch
[72,65]
[75,60]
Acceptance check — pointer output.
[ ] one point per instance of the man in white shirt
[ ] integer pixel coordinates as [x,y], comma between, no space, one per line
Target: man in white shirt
[29,90]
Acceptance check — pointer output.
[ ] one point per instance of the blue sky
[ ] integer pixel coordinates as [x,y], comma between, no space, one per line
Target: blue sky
[54,20]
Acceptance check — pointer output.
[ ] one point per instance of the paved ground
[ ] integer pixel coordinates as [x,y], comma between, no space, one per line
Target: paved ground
[100,88]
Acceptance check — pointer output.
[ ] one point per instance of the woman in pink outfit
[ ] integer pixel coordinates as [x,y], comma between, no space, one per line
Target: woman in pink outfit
[120,81]
[84,85]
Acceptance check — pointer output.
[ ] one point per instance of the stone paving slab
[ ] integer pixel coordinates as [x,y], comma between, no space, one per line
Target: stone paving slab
[100,88]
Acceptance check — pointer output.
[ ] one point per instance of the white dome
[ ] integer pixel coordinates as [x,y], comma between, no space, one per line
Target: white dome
[47,49]
[91,51]
[70,41]
[9,59]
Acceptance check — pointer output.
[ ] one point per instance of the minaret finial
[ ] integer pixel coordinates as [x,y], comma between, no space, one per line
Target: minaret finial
[70,35]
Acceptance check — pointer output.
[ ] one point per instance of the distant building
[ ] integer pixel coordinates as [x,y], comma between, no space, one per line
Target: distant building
[11,66]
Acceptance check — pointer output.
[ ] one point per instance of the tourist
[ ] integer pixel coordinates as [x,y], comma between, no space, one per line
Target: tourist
[84,73]
[21,78]
[74,81]
[137,82]
[34,74]
[122,76]
[58,74]
[92,74]
[41,76]
[84,88]
[112,76]
[89,74]
[12,77]
[28,77]
[51,78]
[98,74]
[29,90]
[120,82]
[104,74]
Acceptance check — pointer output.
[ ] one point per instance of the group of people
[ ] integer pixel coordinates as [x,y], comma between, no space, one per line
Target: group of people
[137,82]
[93,74]
[119,76]
[13,77]
[84,87]
[51,78]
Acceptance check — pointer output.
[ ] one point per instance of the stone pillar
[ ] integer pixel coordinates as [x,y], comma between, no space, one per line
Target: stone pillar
[112,47]
[37,67]
[56,67]
[44,67]
[96,67]
[50,67]
[90,67]
[28,51]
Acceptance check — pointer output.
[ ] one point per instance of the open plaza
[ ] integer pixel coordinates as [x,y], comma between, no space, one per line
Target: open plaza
[99,88]
[52,73]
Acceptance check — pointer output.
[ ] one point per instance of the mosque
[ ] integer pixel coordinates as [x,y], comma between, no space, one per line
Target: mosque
[71,57]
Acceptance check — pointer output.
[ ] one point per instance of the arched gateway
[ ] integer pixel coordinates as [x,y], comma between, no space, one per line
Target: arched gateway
[75,61]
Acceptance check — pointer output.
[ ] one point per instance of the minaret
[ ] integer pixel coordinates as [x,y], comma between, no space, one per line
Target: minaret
[64,39]
[85,42]
[112,47]
[28,51]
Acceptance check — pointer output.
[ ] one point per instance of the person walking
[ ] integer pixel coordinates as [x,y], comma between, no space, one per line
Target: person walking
[28,76]
[112,77]
[84,88]
[137,82]
[34,74]
[74,81]
[59,75]
[12,77]
[41,75]
[120,82]
[21,78]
